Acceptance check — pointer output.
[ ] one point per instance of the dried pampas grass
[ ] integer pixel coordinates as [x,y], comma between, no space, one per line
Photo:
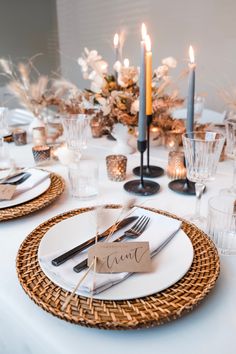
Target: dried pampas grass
[32,94]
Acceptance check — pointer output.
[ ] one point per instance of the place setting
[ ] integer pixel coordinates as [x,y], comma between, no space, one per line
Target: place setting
[158,294]
[25,190]
[26,197]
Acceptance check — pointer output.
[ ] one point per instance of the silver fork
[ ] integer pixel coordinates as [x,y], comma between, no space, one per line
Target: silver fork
[135,231]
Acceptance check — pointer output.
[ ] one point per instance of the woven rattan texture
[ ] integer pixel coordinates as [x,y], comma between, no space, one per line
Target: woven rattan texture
[145,312]
[56,188]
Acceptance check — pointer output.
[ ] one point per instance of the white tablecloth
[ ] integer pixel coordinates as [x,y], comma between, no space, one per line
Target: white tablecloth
[26,328]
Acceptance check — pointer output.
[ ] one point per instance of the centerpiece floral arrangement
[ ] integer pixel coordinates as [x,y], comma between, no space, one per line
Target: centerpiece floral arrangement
[112,97]
[116,96]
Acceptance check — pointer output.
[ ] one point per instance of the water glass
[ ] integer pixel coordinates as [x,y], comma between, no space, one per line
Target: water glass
[83,179]
[76,131]
[221,223]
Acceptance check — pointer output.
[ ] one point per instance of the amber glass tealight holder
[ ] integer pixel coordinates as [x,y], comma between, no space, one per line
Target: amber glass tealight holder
[116,167]
[176,168]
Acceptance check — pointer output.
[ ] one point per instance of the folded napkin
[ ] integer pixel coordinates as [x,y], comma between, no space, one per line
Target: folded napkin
[37,177]
[158,230]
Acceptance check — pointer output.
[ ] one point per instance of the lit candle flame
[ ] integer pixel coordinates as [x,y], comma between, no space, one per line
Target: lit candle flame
[144,31]
[191,54]
[126,62]
[148,43]
[116,40]
[103,67]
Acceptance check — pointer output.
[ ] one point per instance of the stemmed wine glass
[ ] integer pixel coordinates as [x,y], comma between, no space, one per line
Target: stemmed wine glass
[230,125]
[202,153]
[75,130]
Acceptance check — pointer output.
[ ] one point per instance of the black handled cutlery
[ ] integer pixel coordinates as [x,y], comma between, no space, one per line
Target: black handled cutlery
[135,231]
[69,254]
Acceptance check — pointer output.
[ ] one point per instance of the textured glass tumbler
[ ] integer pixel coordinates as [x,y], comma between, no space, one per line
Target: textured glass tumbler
[221,223]
[76,132]
[202,153]
[83,178]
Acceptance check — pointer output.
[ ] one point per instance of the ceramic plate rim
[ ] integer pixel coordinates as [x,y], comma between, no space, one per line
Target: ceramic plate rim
[28,195]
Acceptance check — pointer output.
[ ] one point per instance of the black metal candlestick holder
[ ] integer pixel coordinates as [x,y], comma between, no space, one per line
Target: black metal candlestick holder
[182,186]
[141,186]
[149,170]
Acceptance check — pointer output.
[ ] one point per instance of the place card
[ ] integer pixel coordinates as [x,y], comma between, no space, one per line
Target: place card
[6,191]
[121,257]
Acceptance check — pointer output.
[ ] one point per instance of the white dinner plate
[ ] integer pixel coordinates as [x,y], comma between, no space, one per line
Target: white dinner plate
[27,195]
[170,265]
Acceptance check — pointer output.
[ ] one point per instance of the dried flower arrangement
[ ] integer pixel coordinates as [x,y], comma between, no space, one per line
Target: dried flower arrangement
[35,92]
[32,93]
[66,97]
[118,98]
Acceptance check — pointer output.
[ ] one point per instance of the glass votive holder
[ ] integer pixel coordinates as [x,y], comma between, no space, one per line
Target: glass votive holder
[41,153]
[19,136]
[96,128]
[221,223]
[39,136]
[176,168]
[116,167]
[83,179]
[173,140]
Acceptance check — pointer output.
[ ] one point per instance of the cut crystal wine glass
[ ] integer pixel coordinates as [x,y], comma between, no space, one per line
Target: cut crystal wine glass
[202,153]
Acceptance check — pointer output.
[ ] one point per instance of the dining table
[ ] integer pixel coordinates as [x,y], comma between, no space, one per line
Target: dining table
[26,328]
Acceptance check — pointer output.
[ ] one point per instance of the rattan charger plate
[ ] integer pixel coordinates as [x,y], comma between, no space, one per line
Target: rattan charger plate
[145,312]
[55,189]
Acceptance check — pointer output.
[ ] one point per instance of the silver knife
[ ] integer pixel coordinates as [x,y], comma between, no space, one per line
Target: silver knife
[69,254]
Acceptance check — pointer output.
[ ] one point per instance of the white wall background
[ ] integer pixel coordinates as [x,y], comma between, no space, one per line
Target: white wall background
[28,27]
[209,25]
